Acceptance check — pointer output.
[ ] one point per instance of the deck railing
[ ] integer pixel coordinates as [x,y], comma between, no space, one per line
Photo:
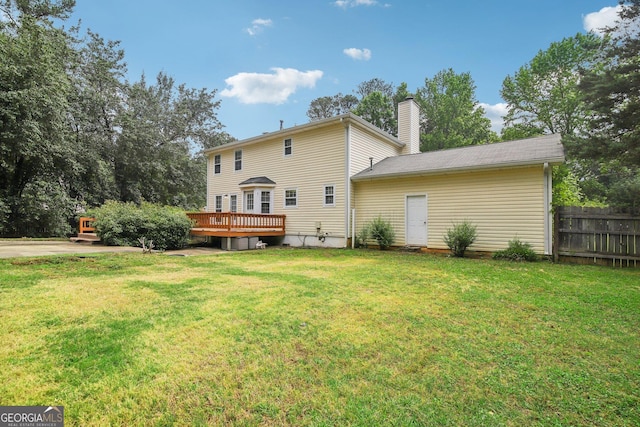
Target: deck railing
[86,225]
[237,221]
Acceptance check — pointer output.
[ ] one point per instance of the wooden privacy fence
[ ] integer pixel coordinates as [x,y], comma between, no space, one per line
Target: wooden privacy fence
[599,235]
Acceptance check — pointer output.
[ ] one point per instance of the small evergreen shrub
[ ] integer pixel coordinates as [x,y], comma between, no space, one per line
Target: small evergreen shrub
[123,224]
[460,237]
[363,236]
[379,230]
[517,251]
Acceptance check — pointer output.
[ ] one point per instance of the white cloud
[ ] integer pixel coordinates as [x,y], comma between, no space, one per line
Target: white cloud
[358,54]
[597,21]
[275,88]
[495,113]
[258,25]
[354,3]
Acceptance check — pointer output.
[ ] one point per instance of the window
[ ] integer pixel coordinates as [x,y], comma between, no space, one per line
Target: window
[216,164]
[288,147]
[265,202]
[233,203]
[248,201]
[238,156]
[290,198]
[329,195]
[218,203]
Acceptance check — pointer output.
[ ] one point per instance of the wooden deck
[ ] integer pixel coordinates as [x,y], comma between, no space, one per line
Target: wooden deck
[233,224]
[216,224]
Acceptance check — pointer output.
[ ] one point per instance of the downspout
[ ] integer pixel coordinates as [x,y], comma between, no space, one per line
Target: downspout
[347,179]
[548,215]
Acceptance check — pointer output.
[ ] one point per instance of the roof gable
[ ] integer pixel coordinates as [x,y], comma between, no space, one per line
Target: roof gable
[341,120]
[530,151]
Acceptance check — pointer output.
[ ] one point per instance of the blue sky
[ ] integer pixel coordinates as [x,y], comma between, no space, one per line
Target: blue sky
[269,59]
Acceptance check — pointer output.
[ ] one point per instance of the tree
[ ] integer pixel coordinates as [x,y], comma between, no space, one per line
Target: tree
[543,95]
[98,83]
[35,151]
[164,126]
[368,87]
[452,116]
[612,93]
[330,106]
[37,10]
[378,109]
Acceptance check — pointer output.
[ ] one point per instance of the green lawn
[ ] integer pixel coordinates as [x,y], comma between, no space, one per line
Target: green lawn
[315,337]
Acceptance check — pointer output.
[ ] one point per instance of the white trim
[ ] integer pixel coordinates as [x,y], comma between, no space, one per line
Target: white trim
[284,147]
[548,212]
[219,156]
[347,185]
[231,196]
[324,196]
[406,217]
[285,206]
[235,160]
[215,202]
[244,201]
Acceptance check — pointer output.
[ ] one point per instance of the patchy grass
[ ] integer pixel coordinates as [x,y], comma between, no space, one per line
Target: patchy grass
[313,337]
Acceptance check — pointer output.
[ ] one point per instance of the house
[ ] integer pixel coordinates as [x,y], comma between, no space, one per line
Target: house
[326,179]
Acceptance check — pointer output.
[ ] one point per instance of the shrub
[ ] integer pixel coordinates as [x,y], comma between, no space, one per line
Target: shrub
[363,236]
[460,237]
[122,224]
[381,231]
[517,251]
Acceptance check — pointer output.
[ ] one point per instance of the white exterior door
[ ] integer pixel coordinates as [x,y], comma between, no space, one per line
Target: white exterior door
[416,220]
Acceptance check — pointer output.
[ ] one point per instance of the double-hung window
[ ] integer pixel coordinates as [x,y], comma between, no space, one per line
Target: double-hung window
[329,195]
[216,164]
[233,203]
[238,160]
[291,198]
[218,203]
[288,147]
[265,202]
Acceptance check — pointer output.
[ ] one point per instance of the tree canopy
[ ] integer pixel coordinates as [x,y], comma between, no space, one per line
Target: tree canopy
[76,133]
[452,116]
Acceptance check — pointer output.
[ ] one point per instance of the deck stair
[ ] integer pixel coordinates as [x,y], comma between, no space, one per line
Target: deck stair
[86,232]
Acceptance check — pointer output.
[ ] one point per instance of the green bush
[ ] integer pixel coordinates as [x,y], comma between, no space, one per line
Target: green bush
[379,230]
[517,251]
[122,224]
[460,237]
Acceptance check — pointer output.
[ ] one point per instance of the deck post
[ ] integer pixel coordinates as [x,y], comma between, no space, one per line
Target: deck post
[228,243]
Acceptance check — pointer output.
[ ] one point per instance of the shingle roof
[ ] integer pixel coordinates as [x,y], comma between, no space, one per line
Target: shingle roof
[522,152]
[257,181]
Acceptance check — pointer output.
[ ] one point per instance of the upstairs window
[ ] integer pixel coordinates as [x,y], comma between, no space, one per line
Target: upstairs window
[238,163]
[288,147]
[291,198]
[216,164]
[329,195]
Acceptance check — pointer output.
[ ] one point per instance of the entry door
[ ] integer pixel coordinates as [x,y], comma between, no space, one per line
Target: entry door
[417,220]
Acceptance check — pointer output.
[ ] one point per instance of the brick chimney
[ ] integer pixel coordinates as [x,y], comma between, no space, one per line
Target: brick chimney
[409,125]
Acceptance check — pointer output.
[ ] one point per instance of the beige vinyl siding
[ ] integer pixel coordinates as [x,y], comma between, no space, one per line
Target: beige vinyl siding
[365,145]
[318,159]
[503,204]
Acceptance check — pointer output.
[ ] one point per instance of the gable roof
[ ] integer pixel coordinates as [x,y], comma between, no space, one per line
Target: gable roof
[331,121]
[522,152]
